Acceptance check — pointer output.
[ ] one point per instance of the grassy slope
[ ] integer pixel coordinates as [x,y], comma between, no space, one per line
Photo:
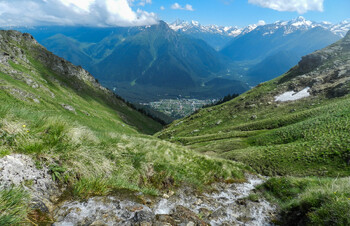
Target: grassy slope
[92,149]
[311,133]
[305,138]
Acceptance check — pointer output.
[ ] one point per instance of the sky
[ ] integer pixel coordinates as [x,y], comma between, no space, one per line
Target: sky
[147,12]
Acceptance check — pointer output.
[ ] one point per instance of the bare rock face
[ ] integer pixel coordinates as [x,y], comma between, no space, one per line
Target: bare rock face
[310,62]
[326,72]
[20,170]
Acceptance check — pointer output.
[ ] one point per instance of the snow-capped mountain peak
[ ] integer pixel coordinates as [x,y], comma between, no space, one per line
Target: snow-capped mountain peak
[195,27]
[301,21]
[288,27]
[341,28]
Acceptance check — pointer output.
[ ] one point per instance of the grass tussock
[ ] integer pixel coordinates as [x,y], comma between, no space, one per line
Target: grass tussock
[13,206]
[310,201]
[311,135]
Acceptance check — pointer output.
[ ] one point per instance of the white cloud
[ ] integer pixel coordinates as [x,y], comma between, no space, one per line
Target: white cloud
[162,8]
[177,6]
[74,12]
[144,2]
[189,7]
[300,6]
[261,23]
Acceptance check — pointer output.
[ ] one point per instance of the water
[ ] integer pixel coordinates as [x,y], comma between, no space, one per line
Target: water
[225,206]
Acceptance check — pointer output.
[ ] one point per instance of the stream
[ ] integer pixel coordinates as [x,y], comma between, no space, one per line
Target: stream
[227,205]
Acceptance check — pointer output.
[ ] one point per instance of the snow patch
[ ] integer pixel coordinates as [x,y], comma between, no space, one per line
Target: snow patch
[291,95]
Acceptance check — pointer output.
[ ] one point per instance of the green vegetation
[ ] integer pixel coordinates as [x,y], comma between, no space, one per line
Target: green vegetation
[13,206]
[310,201]
[88,138]
[297,140]
[312,136]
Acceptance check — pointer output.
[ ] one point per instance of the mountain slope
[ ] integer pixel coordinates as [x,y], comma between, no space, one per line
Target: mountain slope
[272,66]
[158,53]
[83,139]
[68,48]
[265,130]
[298,36]
[296,124]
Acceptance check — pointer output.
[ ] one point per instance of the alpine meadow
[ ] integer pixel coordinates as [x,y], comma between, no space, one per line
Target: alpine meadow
[117,112]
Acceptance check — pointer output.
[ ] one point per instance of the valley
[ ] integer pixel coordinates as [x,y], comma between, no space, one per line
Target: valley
[175,123]
[178,108]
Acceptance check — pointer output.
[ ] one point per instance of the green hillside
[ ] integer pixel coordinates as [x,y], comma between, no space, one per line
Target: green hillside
[59,115]
[305,137]
[268,134]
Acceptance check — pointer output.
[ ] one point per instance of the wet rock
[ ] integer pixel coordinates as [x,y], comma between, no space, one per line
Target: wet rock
[166,196]
[219,213]
[143,216]
[224,206]
[190,224]
[165,219]
[98,223]
[205,212]
[184,215]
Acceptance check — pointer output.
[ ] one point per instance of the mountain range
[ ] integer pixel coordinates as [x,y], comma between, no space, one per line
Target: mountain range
[143,64]
[72,152]
[220,36]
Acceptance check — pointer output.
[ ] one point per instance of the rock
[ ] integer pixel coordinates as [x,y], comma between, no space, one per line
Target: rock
[310,62]
[20,170]
[143,216]
[198,202]
[157,223]
[221,212]
[145,224]
[171,193]
[68,107]
[165,219]
[205,212]
[190,224]
[166,196]
[184,215]
[218,122]
[253,117]
[98,223]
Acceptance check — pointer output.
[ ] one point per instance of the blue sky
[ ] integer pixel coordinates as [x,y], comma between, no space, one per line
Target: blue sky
[146,12]
[242,13]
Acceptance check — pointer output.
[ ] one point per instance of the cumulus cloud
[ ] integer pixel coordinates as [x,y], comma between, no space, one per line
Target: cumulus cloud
[261,23]
[74,12]
[177,6]
[144,2]
[300,6]
[162,8]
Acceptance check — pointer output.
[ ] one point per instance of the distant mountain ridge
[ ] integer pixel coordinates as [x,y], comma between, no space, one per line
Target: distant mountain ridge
[167,60]
[194,27]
